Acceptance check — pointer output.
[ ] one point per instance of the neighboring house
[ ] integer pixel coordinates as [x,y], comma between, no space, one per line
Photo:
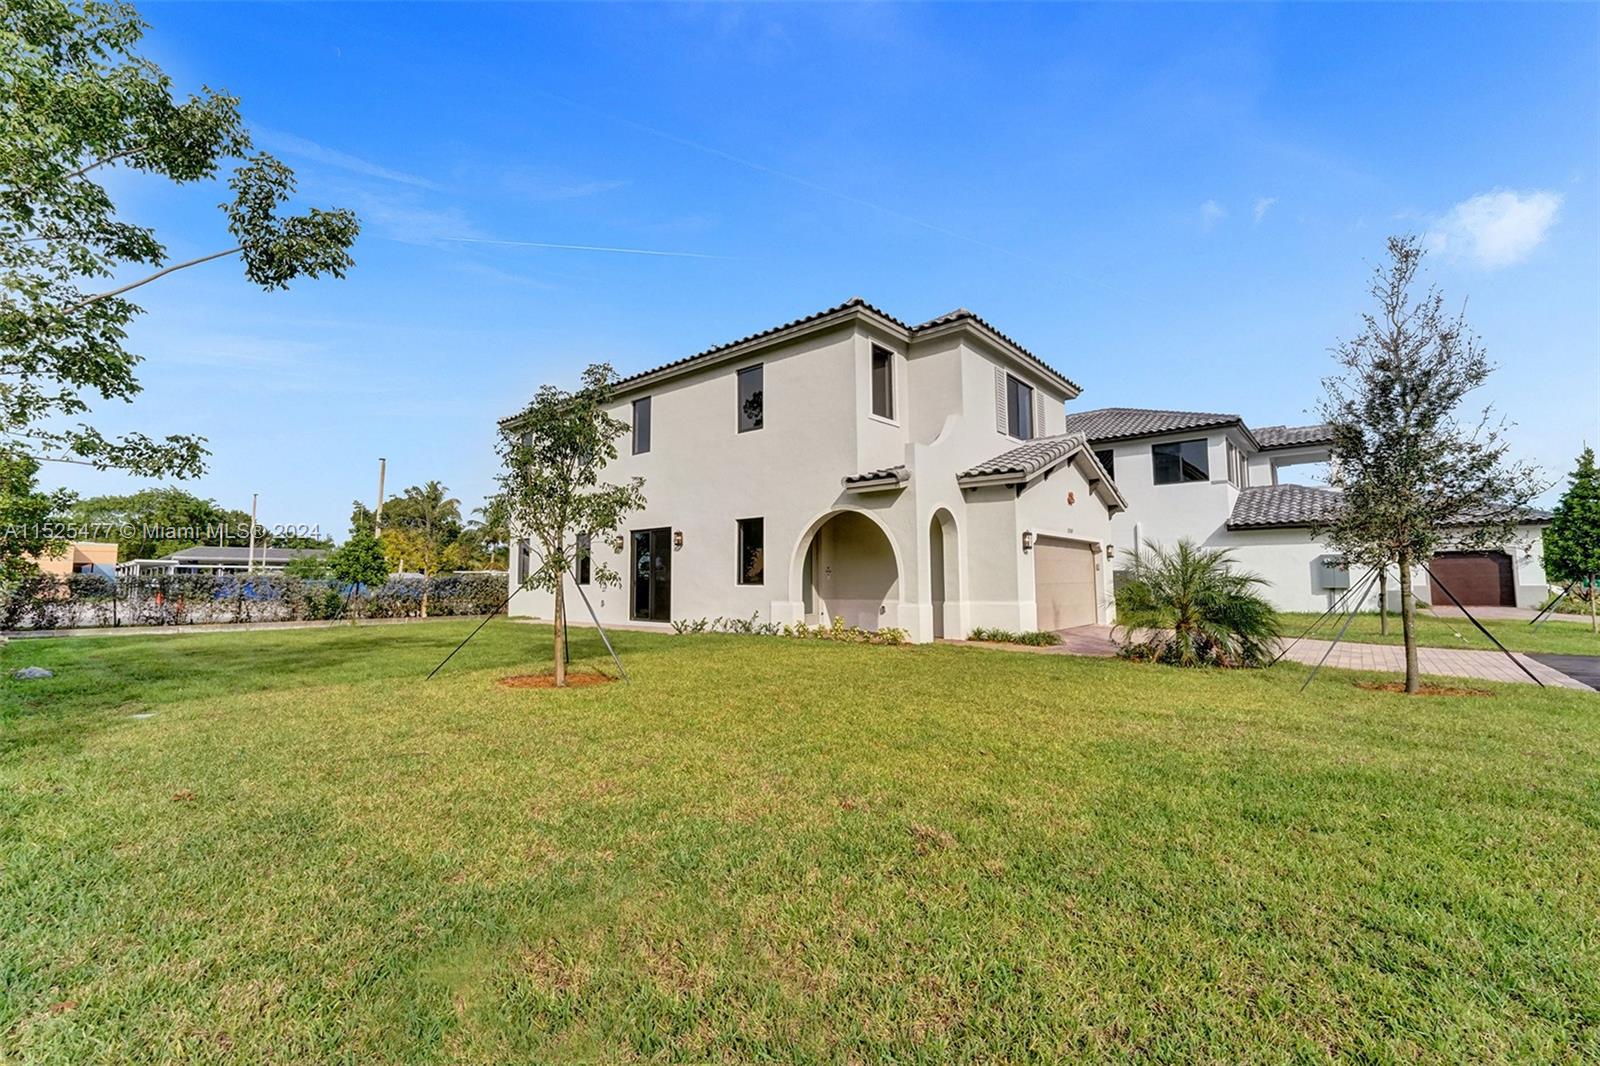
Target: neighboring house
[213,560]
[849,465]
[81,557]
[1212,479]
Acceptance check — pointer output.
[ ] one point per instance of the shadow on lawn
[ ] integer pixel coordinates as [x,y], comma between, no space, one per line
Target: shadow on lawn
[101,680]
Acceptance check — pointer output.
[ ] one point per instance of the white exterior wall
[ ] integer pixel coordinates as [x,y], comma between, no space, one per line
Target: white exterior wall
[701,475]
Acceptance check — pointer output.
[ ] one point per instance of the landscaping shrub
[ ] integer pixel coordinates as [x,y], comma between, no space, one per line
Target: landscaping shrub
[835,630]
[1187,606]
[1033,637]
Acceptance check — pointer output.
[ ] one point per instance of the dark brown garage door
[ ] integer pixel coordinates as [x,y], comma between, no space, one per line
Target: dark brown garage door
[1479,579]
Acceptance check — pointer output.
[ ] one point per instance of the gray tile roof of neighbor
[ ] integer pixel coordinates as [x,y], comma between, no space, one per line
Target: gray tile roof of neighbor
[1266,506]
[1122,423]
[1270,437]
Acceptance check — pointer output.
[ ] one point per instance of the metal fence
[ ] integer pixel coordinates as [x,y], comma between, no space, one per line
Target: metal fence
[92,600]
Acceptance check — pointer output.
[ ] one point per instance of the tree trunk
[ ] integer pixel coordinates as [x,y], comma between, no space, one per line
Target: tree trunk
[1408,624]
[424,597]
[1383,600]
[561,633]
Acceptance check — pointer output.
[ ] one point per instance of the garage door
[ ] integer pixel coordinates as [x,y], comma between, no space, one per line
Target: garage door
[1479,579]
[1063,583]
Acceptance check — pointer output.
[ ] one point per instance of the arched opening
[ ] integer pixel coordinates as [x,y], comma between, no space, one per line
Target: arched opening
[944,580]
[848,570]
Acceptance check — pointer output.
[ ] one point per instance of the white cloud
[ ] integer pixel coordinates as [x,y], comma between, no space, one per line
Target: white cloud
[1211,213]
[289,144]
[1496,229]
[1262,206]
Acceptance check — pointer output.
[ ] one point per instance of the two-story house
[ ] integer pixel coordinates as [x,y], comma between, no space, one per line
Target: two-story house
[1211,479]
[850,465]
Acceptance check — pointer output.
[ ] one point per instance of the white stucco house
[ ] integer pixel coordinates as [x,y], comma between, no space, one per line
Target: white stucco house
[848,464]
[929,477]
[1212,479]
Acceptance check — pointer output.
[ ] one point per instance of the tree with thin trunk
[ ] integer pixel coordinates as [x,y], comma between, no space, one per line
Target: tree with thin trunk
[1572,539]
[553,454]
[1415,476]
[359,562]
[76,101]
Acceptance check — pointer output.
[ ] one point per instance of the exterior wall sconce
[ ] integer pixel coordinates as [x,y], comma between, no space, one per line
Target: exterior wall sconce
[1027,541]
[677,539]
[1111,552]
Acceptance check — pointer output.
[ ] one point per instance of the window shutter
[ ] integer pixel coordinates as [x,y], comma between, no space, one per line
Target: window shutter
[1038,414]
[1000,400]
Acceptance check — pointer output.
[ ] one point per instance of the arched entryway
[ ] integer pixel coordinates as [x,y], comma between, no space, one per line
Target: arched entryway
[847,568]
[944,574]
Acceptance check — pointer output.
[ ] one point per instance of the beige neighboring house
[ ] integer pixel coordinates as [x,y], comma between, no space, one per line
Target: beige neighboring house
[81,557]
[1210,478]
[851,465]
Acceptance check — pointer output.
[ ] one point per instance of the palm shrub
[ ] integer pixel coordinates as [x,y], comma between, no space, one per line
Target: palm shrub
[1188,606]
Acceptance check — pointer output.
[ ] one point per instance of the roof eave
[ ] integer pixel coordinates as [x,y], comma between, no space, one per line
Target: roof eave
[974,325]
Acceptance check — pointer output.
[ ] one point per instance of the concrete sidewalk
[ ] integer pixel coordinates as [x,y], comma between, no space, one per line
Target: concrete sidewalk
[1438,662]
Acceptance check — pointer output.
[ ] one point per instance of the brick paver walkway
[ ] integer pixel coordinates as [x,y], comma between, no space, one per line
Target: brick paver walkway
[1440,662]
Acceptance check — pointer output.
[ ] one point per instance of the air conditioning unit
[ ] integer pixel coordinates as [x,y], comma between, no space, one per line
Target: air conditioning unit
[1332,573]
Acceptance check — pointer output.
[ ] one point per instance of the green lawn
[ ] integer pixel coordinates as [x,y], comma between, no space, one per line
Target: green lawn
[288,847]
[1561,638]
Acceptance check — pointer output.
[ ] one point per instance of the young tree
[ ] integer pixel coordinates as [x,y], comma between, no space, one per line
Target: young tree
[1414,477]
[359,562]
[1572,539]
[76,98]
[552,456]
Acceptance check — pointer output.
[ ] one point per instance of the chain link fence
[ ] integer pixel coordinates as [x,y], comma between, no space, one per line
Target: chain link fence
[93,601]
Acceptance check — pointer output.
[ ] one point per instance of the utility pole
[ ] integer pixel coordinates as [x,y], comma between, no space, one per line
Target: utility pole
[377,524]
[250,557]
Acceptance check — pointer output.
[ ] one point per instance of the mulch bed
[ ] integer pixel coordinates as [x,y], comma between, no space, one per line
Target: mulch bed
[1426,690]
[574,680]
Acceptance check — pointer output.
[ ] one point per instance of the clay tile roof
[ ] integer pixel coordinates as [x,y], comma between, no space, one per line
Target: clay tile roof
[1121,423]
[1293,436]
[898,473]
[961,314]
[1266,506]
[1027,458]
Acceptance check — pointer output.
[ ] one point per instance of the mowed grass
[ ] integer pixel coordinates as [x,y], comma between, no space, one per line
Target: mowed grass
[772,850]
[1557,638]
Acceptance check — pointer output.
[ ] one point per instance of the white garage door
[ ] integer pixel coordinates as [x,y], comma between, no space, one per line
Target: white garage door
[1063,583]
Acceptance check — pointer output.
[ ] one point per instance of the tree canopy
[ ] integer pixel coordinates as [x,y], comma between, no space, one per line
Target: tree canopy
[1572,539]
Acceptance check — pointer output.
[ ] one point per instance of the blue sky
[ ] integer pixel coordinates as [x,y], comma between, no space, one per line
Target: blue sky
[1178,206]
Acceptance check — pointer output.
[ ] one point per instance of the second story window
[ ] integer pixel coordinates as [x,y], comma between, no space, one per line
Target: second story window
[750,398]
[882,382]
[641,426]
[1179,461]
[1019,409]
[584,551]
[1108,459]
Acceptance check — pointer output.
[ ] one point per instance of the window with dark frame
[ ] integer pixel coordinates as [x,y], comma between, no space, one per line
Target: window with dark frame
[1019,409]
[641,425]
[752,562]
[584,551]
[882,382]
[1108,459]
[1179,461]
[750,401]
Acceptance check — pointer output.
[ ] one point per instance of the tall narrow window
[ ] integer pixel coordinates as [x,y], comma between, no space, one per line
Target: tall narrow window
[1179,461]
[522,562]
[584,549]
[750,398]
[641,425]
[882,382]
[1108,459]
[752,564]
[1019,409]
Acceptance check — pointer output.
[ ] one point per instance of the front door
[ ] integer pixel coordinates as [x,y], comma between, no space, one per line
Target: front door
[652,575]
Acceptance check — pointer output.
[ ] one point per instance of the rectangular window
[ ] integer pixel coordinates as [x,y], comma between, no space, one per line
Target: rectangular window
[1019,409]
[584,542]
[752,536]
[1180,461]
[522,562]
[1238,467]
[641,425]
[1108,459]
[882,382]
[750,398]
